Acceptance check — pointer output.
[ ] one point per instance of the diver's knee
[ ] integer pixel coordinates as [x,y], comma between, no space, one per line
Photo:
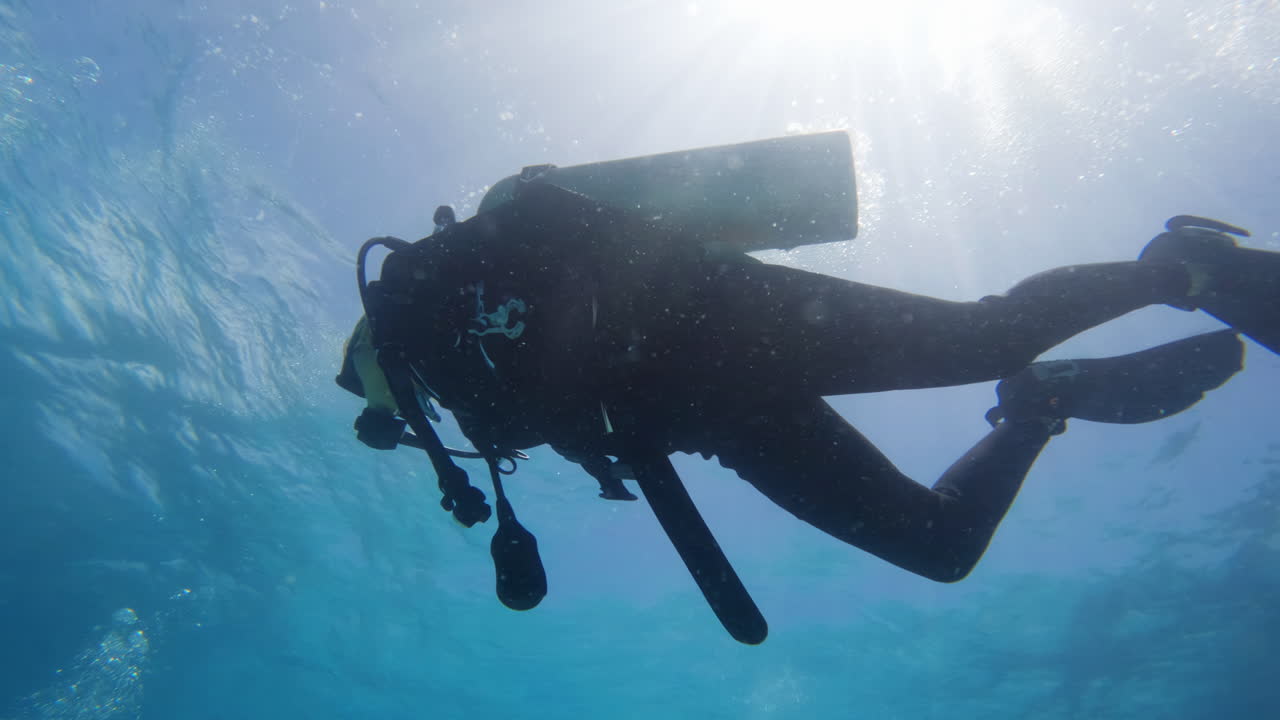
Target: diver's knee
[1016,350]
[949,576]
[951,570]
[956,574]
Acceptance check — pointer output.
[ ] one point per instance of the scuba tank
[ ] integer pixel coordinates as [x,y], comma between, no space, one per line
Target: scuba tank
[778,194]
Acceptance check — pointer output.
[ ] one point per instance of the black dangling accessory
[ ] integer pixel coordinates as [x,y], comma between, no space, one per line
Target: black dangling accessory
[697,547]
[521,578]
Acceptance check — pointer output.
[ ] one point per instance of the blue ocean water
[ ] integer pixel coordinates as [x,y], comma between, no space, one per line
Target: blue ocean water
[190,529]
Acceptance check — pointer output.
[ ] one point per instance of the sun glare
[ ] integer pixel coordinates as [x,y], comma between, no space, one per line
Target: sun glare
[900,47]
[815,19]
[953,33]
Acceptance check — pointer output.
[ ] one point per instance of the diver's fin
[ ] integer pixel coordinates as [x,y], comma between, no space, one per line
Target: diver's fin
[1135,388]
[1247,296]
[693,540]
[1239,286]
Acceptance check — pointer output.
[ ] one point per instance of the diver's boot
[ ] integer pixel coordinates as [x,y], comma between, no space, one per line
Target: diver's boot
[1239,286]
[1135,388]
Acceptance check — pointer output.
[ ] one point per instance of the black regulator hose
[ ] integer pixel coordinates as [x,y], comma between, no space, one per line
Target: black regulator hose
[392,244]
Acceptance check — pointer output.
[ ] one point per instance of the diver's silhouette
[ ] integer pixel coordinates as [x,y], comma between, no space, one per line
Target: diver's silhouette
[555,318]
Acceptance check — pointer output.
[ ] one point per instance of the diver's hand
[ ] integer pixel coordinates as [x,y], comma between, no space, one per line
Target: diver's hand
[462,498]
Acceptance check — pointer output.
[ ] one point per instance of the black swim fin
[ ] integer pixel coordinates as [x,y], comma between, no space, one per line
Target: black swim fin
[1239,286]
[1135,388]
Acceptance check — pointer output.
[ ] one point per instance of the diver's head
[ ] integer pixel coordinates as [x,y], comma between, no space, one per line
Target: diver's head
[360,374]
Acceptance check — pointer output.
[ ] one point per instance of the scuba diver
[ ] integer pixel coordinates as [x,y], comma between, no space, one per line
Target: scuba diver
[618,338]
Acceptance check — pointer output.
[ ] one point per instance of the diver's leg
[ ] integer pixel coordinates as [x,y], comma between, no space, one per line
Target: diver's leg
[830,336]
[807,459]
[812,463]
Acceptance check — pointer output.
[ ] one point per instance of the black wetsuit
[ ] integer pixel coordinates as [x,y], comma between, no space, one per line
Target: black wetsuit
[631,330]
